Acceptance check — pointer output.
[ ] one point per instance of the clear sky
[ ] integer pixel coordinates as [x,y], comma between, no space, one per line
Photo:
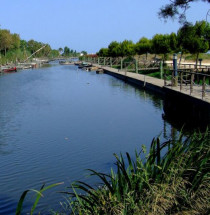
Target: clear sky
[89,24]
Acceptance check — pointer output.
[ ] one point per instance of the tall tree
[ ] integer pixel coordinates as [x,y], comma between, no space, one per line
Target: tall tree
[66,51]
[173,42]
[60,50]
[5,40]
[195,38]
[127,48]
[103,52]
[114,49]
[32,46]
[84,52]
[15,41]
[46,50]
[143,46]
[177,8]
[161,44]
[54,53]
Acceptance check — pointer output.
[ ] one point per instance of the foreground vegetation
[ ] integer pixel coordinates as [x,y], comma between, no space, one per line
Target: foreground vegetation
[172,178]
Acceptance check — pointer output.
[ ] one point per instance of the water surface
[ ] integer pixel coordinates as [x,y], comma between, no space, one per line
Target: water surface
[55,122]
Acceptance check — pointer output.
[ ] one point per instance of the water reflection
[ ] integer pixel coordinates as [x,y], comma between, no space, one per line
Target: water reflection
[185,115]
[57,121]
[155,99]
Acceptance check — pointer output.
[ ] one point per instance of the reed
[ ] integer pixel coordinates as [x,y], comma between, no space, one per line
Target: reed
[172,178]
[174,183]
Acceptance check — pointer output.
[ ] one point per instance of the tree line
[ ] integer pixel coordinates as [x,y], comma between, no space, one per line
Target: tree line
[15,49]
[194,39]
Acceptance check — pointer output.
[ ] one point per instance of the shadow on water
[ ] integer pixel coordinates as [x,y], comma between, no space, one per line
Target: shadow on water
[180,113]
[183,114]
[156,99]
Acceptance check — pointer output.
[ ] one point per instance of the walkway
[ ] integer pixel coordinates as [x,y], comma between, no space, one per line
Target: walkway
[158,84]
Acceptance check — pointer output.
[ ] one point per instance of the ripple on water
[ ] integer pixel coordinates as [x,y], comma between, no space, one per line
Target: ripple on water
[7,206]
[54,126]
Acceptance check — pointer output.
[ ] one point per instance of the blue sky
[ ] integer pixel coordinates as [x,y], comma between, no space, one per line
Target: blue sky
[89,24]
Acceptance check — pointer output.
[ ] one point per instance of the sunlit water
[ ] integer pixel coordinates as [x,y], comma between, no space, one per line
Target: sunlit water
[57,121]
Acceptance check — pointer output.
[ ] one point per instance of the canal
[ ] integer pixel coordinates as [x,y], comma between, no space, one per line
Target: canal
[58,121]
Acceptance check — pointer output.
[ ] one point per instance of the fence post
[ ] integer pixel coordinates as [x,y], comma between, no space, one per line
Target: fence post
[204,87]
[174,76]
[181,80]
[110,62]
[164,77]
[161,69]
[136,66]
[191,83]
[121,63]
[208,73]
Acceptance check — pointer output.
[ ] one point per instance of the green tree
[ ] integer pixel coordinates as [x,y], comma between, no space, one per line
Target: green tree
[114,49]
[161,44]
[103,52]
[5,40]
[60,50]
[66,51]
[23,44]
[15,41]
[143,46]
[54,53]
[46,50]
[84,52]
[32,46]
[173,42]
[194,38]
[127,48]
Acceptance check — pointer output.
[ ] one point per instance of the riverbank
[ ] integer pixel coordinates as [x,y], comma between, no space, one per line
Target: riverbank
[35,63]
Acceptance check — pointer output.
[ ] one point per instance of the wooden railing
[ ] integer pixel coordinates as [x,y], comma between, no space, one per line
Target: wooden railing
[191,81]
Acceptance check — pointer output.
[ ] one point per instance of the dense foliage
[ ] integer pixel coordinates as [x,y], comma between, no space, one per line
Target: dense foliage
[14,49]
[194,39]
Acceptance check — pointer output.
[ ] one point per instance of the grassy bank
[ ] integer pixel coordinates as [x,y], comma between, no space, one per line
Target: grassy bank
[172,178]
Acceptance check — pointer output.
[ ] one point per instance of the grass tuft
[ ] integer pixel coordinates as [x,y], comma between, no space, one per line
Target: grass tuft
[174,183]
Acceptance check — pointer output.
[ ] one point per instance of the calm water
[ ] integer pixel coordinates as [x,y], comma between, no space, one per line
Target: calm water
[55,122]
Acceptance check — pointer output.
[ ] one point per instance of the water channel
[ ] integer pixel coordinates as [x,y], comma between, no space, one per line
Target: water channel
[57,121]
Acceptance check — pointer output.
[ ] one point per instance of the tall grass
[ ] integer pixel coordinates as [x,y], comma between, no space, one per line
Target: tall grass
[171,182]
